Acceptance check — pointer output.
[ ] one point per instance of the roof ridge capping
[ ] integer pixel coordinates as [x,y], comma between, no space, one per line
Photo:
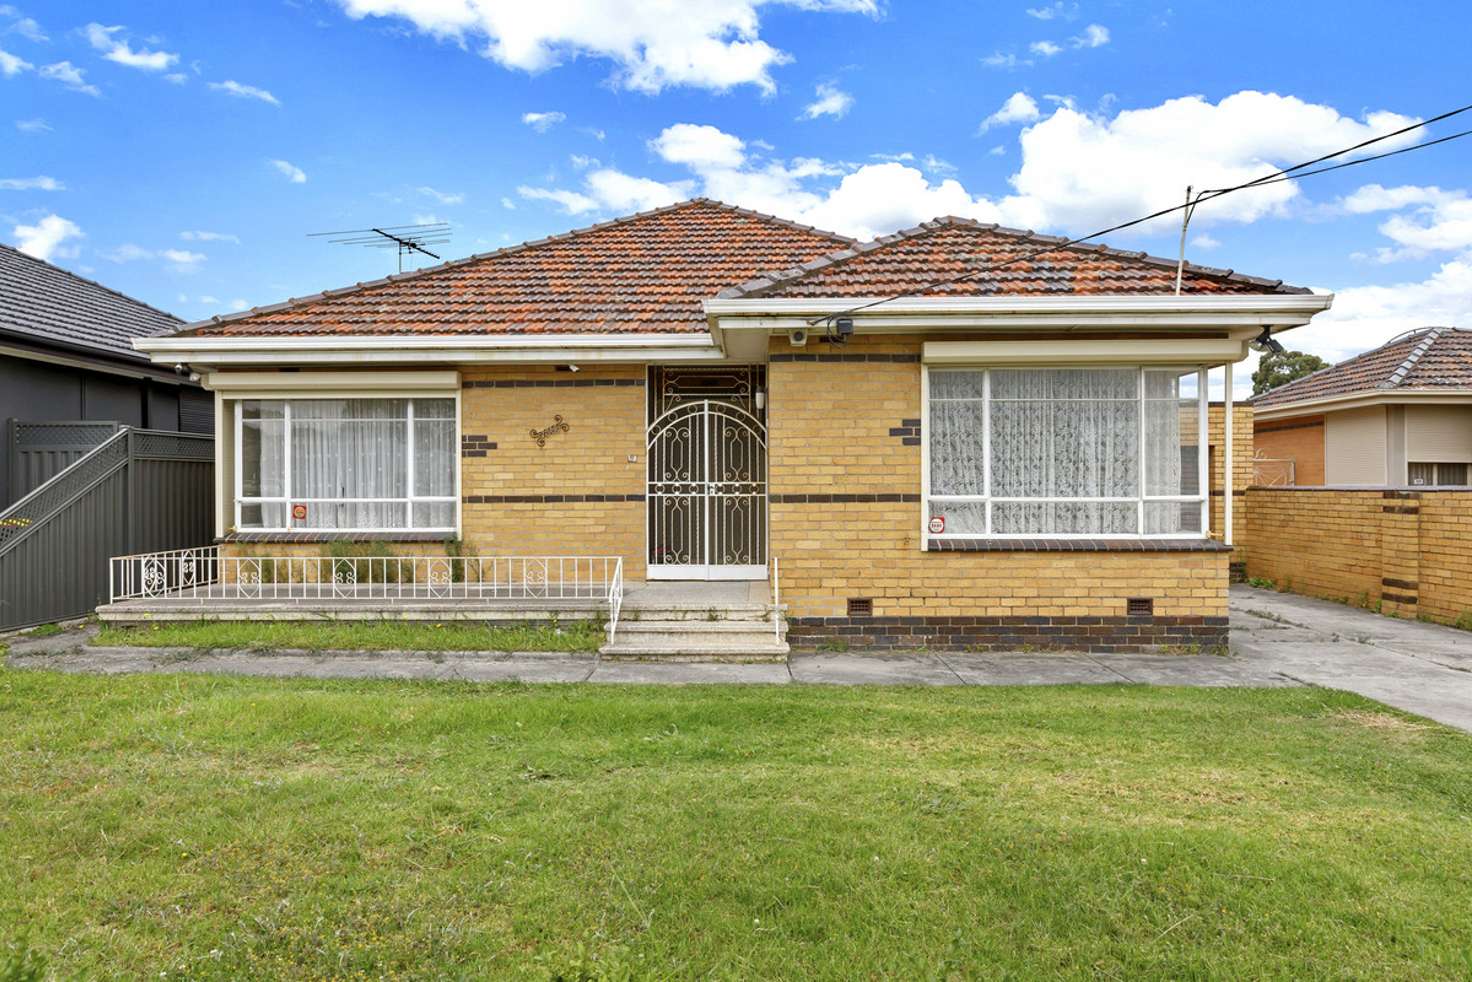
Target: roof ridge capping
[768,279]
[1404,368]
[504,251]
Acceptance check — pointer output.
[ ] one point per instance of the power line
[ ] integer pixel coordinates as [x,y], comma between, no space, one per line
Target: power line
[1286,174]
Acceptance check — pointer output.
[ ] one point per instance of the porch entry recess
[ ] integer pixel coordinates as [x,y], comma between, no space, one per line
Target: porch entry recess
[707,473]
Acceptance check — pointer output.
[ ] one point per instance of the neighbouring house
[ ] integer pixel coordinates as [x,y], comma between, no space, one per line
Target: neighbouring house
[1397,416]
[66,355]
[1012,457]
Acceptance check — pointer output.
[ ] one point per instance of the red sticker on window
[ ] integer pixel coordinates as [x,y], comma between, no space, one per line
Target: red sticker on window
[937,524]
[299,513]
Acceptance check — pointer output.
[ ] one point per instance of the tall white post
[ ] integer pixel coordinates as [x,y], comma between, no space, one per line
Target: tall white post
[1227,463]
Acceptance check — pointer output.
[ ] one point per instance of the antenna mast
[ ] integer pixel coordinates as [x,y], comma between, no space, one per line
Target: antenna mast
[406,239]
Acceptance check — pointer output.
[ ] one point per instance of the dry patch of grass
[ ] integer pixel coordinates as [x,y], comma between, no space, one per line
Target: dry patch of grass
[1385,722]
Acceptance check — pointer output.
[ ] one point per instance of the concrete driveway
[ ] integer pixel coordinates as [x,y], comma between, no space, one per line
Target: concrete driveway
[1277,639]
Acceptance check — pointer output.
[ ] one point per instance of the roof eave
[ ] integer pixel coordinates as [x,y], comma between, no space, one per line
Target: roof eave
[1361,398]
[428,349]
[881,314]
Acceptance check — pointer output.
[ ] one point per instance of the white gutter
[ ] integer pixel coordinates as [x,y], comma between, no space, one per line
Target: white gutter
[415,349]
[970,313]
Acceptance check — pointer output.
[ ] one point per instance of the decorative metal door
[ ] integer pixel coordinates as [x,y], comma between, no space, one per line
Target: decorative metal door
[707,493]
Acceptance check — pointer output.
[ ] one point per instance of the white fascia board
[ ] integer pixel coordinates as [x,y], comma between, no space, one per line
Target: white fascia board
[1359,400]
[971,313]
[333,384]
[436,349]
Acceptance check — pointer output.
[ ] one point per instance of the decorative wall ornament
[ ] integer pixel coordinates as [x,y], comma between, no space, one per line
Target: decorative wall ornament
[559,425]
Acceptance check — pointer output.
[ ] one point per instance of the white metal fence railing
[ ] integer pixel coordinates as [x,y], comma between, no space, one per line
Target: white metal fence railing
[204,575]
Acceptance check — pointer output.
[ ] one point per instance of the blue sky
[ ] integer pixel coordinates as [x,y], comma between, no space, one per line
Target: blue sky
[181,152]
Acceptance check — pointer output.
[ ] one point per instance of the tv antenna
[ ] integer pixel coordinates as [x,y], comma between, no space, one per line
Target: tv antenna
[407,239]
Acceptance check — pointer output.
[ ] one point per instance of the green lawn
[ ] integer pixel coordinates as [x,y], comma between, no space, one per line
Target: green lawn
[236,827]
[573,635]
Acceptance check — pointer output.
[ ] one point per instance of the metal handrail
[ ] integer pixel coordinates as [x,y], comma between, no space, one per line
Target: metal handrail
[615,598]
[202,575]
[776,600]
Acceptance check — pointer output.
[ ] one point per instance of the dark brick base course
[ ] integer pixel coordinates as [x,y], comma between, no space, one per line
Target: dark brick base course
[1103,634]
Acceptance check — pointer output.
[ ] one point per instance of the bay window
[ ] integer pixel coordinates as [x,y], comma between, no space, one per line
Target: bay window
[361,465]
[1066,452]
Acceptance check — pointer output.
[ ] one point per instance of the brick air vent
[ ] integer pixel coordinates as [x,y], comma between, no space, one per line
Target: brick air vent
[860,607]
[1139,607]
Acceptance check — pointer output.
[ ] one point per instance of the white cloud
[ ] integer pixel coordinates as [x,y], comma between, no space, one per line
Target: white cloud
[1007,60]
[197,236]
[47,238]
[40,183]
[1045,48]
[177,78]
[241,91]
[33,125]
[1204,241]
[699,147]
[1366,316]
[997,151]
[1091,170]
[715,45]
[1432,219]
[1019,108]
[542,122]
[507,203]
[830,101]
[69,75]
[117,49]
[290,171]
[1078,171]
[238,305]
[443,197]
[1054,11]
[1094,36]
[26,27]
[11,65]
[571,201]
[178,260]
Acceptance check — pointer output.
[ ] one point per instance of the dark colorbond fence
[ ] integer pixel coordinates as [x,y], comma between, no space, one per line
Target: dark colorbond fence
[139,491]
[37,452]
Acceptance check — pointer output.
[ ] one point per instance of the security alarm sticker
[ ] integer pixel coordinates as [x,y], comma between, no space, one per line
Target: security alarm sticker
[937,524]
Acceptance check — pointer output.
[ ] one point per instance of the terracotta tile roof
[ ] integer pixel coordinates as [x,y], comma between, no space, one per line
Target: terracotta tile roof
[45,304]
[947,248]
[647,273]
[1428,358]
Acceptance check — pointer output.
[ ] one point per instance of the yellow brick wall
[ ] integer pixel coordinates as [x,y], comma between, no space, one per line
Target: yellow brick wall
[283,562]
[830,425]
[1405,550]
[606,426]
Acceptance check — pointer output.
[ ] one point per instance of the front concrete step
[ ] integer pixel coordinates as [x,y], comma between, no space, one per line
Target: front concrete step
[730,640]
[666,611]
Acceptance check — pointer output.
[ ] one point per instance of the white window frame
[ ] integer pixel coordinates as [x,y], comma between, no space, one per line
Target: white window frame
[408,501]
[1436,466]
[1203,497]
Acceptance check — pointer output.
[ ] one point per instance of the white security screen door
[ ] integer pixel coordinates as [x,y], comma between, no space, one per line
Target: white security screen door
[707,493]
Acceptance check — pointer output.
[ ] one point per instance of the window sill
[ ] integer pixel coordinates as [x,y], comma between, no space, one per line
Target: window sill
[1031,544]
[327,535]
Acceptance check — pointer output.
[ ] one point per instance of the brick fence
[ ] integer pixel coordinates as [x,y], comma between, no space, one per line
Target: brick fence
[1408,550]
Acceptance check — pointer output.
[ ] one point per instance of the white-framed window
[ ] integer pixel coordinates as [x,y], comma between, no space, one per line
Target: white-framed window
[349,465]
[1065,452]
[1440,474]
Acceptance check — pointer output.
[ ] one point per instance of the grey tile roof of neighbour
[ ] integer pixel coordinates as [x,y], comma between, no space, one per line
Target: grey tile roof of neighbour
[1427,358]
[50,306]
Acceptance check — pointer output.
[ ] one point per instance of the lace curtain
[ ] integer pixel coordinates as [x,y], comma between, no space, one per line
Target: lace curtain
[350,463]
[1062,434]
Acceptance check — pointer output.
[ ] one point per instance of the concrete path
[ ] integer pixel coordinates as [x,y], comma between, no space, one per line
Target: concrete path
[1277,639]
[1420,668]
